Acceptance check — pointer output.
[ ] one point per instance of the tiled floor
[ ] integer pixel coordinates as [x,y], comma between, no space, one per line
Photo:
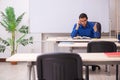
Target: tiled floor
[19,72]
[13,72]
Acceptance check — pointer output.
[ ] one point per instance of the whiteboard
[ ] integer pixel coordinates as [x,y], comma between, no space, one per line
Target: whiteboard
[59,16]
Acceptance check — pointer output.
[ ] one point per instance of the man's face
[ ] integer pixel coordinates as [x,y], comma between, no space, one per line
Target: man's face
[83,21]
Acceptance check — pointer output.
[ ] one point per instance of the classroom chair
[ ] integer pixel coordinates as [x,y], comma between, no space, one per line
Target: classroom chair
[101,46]
[59,66]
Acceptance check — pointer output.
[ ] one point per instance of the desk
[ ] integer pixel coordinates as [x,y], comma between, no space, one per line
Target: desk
[69,39]
[88,59]
[77,44]
[73,43]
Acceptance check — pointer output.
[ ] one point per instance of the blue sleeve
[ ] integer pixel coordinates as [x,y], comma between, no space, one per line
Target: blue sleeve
[74,31]
[96,35]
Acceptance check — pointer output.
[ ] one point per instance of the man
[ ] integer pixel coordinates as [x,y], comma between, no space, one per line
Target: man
[85,28]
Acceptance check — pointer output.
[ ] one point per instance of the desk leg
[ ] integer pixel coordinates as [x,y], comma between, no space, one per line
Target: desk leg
[29,65]
[31,71]
[87,72]
[71,49]
[117,72]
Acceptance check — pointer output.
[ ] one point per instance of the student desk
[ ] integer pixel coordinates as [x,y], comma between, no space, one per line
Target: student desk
[69,39]
[88,59]
[77,43]
[73,45]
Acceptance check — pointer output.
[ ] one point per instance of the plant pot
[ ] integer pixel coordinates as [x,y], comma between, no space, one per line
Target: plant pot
[13,63]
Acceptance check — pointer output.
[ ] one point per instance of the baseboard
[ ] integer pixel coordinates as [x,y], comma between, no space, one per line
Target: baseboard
[2,59]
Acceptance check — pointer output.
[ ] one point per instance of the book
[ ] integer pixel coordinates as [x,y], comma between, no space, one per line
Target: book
[81,37]
[112,54]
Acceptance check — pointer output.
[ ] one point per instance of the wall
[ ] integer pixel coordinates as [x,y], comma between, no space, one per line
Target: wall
[112,14]
[115,15]
[118,15]
[59,16]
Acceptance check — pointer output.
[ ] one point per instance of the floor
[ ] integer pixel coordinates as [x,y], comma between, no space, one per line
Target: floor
[19,72]
[13,72]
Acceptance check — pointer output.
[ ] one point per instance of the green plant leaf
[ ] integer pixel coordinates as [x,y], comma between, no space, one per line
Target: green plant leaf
[25,42]
[5,42]
[3,25]
[2,48]
[10,19]
[31,40]
[3,15]
[4,21]
[24,29]
[19,39]
[18,20]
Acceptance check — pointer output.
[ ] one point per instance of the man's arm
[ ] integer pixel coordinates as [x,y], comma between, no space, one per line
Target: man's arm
[96,33]
[75,31]
[95,27]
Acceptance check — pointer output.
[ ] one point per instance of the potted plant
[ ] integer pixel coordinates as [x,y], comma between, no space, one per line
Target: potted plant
[11,23]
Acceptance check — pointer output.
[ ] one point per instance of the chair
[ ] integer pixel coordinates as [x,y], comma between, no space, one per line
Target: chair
[59,66]
[101,46]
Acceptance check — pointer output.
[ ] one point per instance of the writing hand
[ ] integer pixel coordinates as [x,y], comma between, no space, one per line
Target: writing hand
[95,27]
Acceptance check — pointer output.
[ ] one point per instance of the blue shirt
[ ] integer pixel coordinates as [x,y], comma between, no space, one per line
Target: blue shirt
[85,31]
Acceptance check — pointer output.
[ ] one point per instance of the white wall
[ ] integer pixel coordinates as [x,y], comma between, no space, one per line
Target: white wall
[113,14]
[119,15]
[59,16]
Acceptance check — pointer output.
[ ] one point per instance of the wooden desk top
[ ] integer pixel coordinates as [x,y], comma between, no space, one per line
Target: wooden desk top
[78,44]
[88,58]
[24,57]
[57,39]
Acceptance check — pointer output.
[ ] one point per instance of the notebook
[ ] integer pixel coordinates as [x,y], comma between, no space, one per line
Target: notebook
[81,37]
[112,54]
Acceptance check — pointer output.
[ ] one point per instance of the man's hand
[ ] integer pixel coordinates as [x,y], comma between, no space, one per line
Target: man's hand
[95,27]
[78,24]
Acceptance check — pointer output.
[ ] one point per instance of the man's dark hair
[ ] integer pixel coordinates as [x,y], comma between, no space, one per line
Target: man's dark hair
[83,15]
